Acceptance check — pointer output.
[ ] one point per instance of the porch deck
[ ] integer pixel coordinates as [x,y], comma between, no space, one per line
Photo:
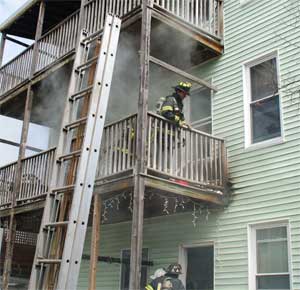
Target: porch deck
[179,161]
[202,17]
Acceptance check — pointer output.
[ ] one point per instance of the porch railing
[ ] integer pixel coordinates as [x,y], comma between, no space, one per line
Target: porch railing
[185,153]
[35,177]
[172,153]
[7,179]
[204,14]
[59,41]
[118,147]
[16,71]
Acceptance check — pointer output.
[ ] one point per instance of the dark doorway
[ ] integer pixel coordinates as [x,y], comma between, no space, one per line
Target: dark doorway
[200,268]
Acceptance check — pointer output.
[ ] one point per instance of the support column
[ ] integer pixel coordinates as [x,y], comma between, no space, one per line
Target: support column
[17,184]
[95,241]
[141,168]
[2,46]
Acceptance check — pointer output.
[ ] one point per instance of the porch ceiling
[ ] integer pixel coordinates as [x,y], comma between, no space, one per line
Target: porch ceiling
[23,22]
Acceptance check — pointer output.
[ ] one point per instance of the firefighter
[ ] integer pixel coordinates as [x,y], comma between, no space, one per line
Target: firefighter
[172,106]
[171,278]
[169,281]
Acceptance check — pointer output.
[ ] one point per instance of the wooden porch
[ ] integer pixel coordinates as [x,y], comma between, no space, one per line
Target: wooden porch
[201,19]
[180,161]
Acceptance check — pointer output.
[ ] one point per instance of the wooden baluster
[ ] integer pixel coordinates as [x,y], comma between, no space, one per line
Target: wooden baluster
[155,144]
[149,141]
[160,155]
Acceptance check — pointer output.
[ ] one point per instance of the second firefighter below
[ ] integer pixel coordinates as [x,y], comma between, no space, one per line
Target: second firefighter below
[172,106]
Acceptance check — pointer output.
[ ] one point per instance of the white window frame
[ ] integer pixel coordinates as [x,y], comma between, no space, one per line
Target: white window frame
[252,253]
[247,101]
[182,259]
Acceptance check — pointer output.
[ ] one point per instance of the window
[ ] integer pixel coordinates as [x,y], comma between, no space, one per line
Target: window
[198,112]
[125,269]
[262,106]
[269,257]
[198,267]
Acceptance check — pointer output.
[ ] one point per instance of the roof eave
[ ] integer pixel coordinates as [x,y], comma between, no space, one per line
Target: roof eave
[23,9]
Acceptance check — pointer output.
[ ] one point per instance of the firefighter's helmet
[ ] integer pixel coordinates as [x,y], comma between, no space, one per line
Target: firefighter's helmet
[174,269]
[184,87]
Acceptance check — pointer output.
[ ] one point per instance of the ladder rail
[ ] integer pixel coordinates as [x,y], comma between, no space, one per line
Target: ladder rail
[58,220]
[87,190]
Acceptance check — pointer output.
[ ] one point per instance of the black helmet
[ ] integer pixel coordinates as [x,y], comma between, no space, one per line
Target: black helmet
[184,87]
[174,269]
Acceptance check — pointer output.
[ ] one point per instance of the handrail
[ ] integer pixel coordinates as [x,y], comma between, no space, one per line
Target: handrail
[185,153]
[35,177]
[190,129]
[17,57]
[172,152]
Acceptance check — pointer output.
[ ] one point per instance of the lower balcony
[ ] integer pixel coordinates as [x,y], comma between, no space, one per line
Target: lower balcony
[180,161]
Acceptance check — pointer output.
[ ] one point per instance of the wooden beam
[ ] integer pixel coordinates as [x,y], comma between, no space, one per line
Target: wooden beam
[2,46]
[114,185]
[210,41]
[25,128]
[38,34]
[17,41]
[28,207]
[95,241]
[183,190]
[139,186]
[182,73]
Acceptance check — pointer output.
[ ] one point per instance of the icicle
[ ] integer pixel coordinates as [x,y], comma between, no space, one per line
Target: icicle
[194,214]
[104,214]
[166,204]
[130,207]
[176,205]
[118,202]
[207,213]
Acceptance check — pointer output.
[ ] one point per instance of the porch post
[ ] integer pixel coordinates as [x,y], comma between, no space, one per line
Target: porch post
[141,168]
[17,185]
[2,46]
[95,241]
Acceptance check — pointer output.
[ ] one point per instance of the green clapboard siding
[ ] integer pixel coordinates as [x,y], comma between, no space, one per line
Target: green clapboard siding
[266,181]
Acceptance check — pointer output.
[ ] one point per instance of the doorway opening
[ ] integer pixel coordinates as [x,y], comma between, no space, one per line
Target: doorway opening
[198,267]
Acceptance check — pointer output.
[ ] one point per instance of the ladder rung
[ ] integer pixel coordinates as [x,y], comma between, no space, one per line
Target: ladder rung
[56,224]
[69,155]
[48,261]
[81,93]
[64,188]
[90,38]
[87,64]
[75,124]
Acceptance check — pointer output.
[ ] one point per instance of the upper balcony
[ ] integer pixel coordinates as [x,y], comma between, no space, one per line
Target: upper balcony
[201,19]
[180,161]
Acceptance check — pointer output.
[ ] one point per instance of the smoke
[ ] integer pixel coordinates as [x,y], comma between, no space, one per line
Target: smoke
[168,45]
[49,102]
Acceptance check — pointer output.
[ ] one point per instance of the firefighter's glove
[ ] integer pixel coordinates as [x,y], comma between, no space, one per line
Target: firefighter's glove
[185,125]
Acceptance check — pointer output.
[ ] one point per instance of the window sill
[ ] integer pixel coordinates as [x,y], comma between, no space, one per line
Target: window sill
[263,144]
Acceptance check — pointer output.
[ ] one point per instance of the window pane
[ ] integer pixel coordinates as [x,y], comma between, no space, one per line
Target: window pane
[265,119]
[271,233]
[272,257]
[200,105]
[273,282]
[264,79]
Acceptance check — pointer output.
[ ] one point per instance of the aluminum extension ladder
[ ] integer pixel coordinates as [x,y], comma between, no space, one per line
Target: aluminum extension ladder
[62,234]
